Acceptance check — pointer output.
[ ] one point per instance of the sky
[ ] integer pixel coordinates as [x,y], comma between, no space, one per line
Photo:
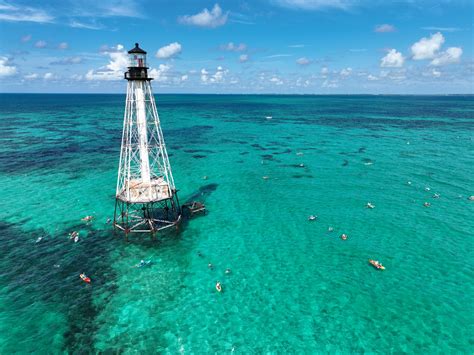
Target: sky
[258,46]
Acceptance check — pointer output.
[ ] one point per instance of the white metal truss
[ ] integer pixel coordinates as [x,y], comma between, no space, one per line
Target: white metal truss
[144,172]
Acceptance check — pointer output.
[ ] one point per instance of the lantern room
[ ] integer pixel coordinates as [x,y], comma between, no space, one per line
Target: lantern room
[137,69]
[137,57]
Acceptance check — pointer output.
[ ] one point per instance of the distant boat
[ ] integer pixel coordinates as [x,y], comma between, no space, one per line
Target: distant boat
[268,117]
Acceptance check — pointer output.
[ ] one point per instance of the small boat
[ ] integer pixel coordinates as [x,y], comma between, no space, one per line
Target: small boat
[76,239]
[376,264]
[268,117]
[312,218]
[85,278]
[143,263]
[218,287]
[370,205]
[39,239]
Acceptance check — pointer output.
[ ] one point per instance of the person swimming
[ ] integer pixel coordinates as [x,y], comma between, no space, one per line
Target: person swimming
[427,204]
[87,218]
[312,218]
[218,287]
[73,235]
[343,236]
[330,229]
[228,271]
[370,205]
[210,266]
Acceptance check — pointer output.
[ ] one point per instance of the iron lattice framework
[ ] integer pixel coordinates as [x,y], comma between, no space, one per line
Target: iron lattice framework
[146,196]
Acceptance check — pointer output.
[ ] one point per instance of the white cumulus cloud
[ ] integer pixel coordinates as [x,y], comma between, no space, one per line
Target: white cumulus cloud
[303,61]
[206,18]
[436,73]
[392,59]
[217,77]
[346,72]
[330,84]
[31,76]
[385,28]
[169,51]
[451,55]
[41,44]
[5,68]
[427,48]
[276,80]
[48,76]
[115,69]
[231,47]
[63,45]
[204,75]
[243,58]
[371,77]
[161,74]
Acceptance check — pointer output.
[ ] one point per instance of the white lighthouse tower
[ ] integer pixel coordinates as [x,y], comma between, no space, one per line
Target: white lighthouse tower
[146,197]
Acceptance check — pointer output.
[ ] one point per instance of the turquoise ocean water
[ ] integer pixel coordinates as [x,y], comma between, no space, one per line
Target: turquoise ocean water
[294,286]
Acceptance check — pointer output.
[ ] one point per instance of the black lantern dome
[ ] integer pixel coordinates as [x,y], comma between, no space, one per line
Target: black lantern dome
[137,68]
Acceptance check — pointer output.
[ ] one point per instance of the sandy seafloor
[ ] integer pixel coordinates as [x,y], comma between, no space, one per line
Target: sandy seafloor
[294,286]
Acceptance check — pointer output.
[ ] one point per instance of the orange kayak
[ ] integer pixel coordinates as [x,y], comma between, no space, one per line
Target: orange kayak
[376,264]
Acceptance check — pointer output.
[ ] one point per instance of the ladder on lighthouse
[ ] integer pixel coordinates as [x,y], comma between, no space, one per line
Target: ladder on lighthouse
[146,196]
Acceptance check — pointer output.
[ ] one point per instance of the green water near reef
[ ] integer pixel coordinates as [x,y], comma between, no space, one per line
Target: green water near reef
[294,286]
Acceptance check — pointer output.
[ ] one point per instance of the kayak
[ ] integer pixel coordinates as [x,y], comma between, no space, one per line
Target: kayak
[85,278]
[376,264]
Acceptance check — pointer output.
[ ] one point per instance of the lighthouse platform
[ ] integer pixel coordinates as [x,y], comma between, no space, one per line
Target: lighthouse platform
[138,191]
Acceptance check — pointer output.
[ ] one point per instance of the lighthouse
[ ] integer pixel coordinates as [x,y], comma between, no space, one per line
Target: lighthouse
[146,196]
